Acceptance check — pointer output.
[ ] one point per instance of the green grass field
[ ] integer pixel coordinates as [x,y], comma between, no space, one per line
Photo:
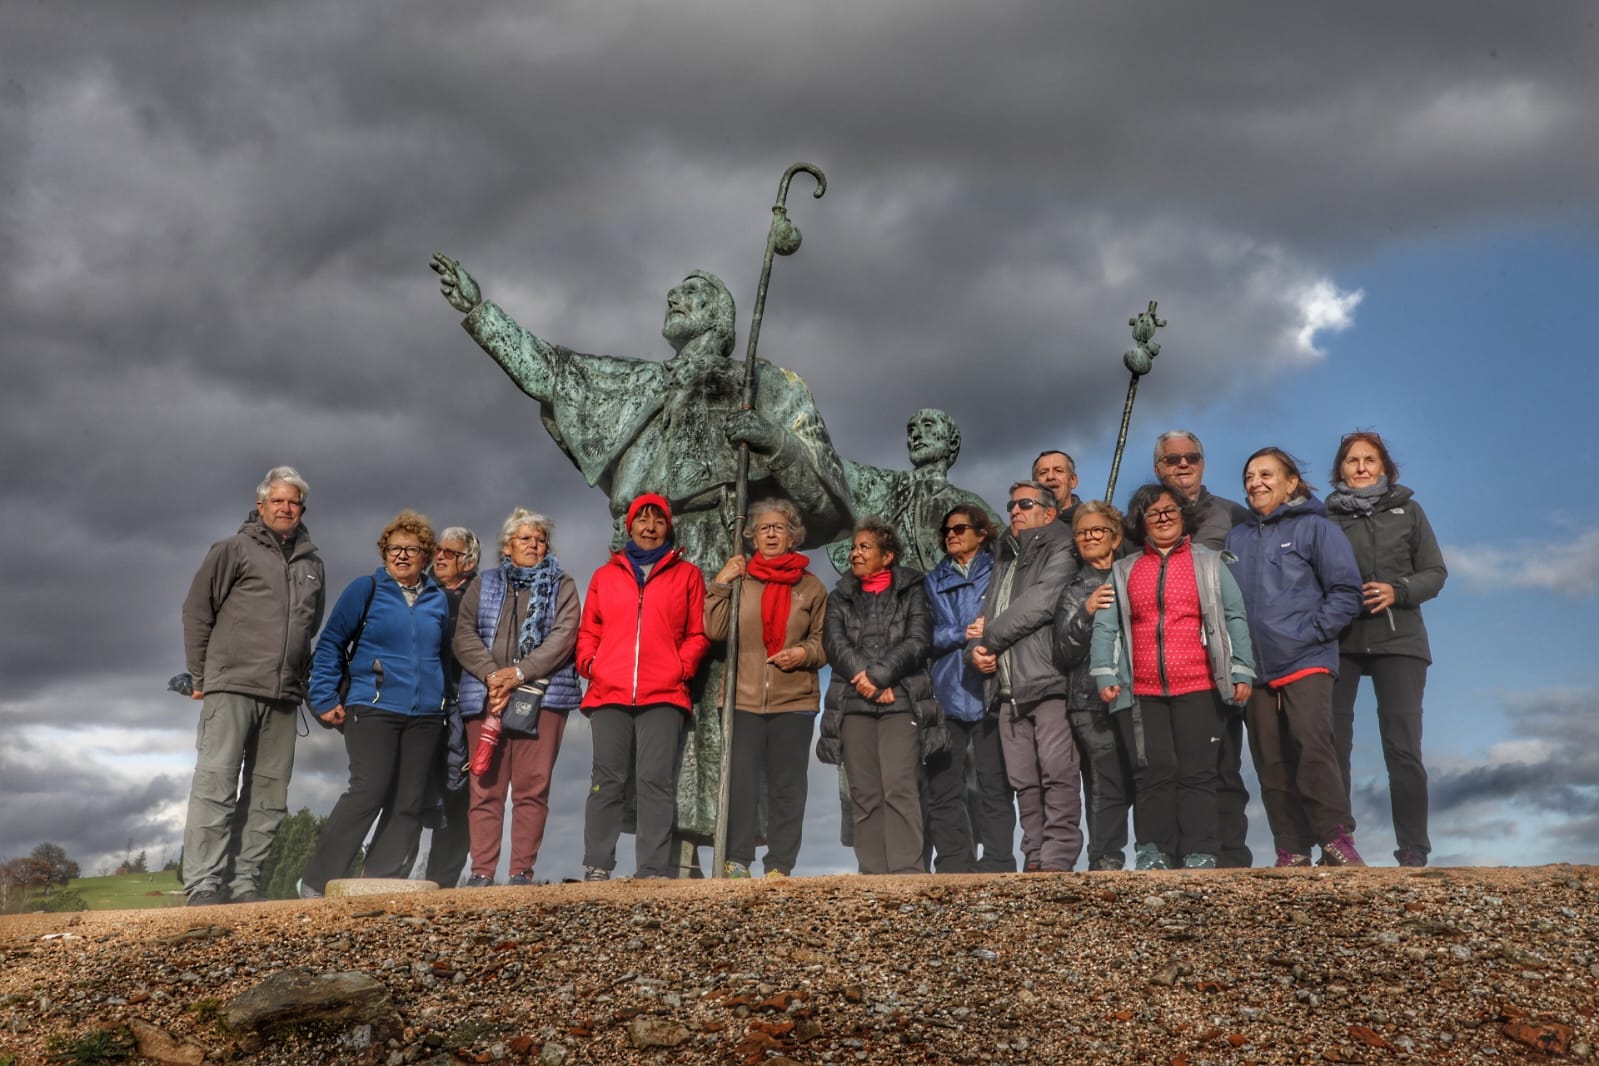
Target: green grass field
[130,891]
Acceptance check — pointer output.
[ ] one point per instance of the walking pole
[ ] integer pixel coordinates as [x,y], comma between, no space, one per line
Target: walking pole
[1139,359]
[783,238]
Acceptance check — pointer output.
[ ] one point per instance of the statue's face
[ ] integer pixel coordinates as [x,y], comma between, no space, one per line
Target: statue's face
[688,311]
[928,439]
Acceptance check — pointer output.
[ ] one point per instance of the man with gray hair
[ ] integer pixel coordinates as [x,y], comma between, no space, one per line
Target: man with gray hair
[247,625]
[1025,688]
[1180,466]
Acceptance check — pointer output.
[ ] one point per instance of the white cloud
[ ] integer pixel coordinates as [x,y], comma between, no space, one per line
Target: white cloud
[1322,306]
[1569,567]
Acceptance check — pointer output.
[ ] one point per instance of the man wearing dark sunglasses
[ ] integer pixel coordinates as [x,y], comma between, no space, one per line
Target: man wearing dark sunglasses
[1180,466]
[1026,688]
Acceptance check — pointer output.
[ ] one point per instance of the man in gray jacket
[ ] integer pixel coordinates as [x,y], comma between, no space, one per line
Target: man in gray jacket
[1025,688]
[247,626]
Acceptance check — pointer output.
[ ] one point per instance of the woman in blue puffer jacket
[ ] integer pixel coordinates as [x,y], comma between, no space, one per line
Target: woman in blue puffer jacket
[1301,587]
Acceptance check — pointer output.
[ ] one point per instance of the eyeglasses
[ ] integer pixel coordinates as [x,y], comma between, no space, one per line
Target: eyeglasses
[531,538]
[959,529]
[450,554]
[1165,514]
[1094,532]
[1191,458]
[1024,504]
[404,551]
[772,527]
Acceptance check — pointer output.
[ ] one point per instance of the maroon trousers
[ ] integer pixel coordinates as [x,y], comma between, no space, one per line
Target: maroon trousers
[523,767]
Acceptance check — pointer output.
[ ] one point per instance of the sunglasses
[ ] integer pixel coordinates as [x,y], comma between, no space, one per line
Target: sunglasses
[959,529]
[1026,505]
[1191,458]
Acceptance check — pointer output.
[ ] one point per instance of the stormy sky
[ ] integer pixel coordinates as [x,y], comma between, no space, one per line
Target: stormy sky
[217,220]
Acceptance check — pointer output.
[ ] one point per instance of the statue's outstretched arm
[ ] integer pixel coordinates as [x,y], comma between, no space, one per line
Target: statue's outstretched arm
[525,358]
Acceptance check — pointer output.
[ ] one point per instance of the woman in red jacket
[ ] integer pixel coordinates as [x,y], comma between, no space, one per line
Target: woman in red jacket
[640,642]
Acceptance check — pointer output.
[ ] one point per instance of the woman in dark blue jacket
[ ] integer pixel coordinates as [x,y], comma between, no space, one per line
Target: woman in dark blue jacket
[1301,587]
[389,633]
[955,591]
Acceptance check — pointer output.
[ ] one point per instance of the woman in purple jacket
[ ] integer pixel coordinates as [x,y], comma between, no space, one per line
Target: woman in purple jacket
[1301,587]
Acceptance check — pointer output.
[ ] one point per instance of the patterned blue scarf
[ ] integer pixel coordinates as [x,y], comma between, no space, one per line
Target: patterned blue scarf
[544,580]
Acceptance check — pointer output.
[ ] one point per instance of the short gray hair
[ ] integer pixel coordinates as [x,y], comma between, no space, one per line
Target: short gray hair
[1045,493]
[523,517]
[467,537]
[1173,434]
[786,508]
[288,476]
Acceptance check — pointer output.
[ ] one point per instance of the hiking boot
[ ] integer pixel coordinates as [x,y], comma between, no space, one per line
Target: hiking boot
[249,895]
[207,898]
[479,881]
[1199,860]
[305,891]
[594,873]
[1033,866]
[774,872]
[1340,851]
[1150,857]
[1291,858]
[735,870]
[522,879]
[1411,857]
[1108,862]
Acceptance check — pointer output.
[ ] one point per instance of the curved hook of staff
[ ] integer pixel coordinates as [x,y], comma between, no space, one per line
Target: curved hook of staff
[788,176]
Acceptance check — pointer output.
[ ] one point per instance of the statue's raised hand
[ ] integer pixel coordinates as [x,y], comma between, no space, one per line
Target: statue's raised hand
[458,286]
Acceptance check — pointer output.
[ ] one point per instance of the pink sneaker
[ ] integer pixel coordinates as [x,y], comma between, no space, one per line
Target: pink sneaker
[1340,851]
[1291,858]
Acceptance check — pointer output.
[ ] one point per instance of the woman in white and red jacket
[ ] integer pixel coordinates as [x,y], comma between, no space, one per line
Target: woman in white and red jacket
[640,642]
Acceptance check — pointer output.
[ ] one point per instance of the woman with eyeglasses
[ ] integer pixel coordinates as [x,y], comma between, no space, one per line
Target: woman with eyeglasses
[877,637]
[517,630]
[378,675]
[1400,569]
[955,591]
[1302,587]
[781,607]
[1107,771]
[1172,648]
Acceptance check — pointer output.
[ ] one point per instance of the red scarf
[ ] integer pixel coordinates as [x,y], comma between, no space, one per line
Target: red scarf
[878,582]
[779,576]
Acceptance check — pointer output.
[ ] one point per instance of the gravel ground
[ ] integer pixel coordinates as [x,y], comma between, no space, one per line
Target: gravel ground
[1185,967]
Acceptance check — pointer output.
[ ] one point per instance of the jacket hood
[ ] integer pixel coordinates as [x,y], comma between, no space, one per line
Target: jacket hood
[944,575]
[1013,544]
[1304,505]
[255,528]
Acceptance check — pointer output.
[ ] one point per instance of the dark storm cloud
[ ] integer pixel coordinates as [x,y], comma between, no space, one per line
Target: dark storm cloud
[218,219]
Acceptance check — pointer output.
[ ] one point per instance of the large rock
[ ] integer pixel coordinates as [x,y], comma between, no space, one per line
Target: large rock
[300,1000]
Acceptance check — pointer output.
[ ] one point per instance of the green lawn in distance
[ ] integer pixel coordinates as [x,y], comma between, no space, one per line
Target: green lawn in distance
[130,891]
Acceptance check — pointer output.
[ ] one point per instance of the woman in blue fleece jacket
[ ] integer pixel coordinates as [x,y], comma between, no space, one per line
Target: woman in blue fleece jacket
[1301,587]
[390,630]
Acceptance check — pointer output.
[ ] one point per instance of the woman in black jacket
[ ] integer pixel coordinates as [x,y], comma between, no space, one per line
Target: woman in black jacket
[1400,569]
[878,635]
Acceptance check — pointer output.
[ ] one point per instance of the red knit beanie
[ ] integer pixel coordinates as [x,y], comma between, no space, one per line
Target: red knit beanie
[647,499]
